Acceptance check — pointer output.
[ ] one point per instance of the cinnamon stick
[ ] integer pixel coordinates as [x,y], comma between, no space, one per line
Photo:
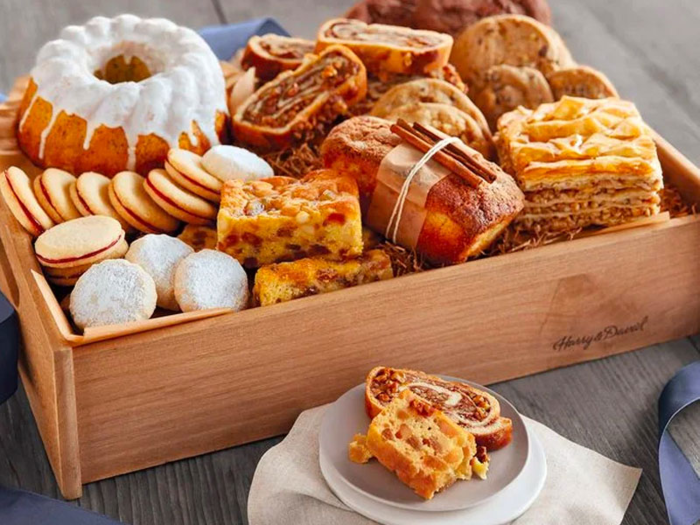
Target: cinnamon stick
[411,136]
[459,150]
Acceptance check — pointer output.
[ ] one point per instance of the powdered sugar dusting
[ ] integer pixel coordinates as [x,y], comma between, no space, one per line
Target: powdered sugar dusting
[211,279]
[112,292]
[159,256]
[231,162]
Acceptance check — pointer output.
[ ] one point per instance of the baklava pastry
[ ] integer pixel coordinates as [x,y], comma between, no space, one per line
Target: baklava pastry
[279,283]
[387,50]
[272,54]
[301,104]
[424,448]
[459,222]
[283,219]
[581,162]
[475,410]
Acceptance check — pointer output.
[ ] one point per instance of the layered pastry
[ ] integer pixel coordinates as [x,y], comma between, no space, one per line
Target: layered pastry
[387,50]
[475,410]
[581,162]
[301,104]
[283,219]
[117,94]
[419,443]
[278,283]
[272,54]
[459,220]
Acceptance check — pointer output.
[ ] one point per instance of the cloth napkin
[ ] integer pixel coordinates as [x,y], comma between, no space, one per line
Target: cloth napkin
[582,486]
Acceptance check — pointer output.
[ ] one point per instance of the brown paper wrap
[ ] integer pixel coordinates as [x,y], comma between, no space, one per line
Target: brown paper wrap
[391,176]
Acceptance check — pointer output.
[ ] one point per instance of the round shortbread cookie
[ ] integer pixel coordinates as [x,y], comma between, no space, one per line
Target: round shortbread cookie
[211,279]
[428,90]
[177,201]
[450,121]
[514,40]
[230,162]
[69,276]
[129,198]
[507,87]
[186,169]
[52,189]
[113,292]
[160,255]
[581,81]
[16,190]
[90,194]
[79,242]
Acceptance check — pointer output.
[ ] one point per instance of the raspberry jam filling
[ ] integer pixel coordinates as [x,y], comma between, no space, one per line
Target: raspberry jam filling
[138,219]
[80,257]
[24,209]
[170,201]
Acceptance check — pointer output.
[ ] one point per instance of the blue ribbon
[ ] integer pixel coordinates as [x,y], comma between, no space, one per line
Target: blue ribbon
[680,483]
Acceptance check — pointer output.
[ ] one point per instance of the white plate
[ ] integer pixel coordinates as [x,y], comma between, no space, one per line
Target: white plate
[505,507]
[347,417]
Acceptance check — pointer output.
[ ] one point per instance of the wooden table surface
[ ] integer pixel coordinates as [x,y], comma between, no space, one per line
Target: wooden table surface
[650,51]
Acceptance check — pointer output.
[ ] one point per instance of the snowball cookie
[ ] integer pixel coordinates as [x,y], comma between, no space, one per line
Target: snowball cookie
[159,255]
[211,279]
[113,292]
[230,162]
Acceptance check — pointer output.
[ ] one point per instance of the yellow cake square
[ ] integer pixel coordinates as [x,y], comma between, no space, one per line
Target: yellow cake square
[284,219]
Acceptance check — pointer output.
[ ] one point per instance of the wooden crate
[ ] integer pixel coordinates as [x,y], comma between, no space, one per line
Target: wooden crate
[116,406]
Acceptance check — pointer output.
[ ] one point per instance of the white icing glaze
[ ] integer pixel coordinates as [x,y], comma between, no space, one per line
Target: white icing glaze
[452,397]
[186,85]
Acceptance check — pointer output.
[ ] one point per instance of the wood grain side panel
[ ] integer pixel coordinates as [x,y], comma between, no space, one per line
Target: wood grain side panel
[45,365]
[164,395]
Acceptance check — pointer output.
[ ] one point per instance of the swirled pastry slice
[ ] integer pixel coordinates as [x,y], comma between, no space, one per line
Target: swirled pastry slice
[581,162]
[283,219]
[388,49]
[301,104]
[424,447]
[272,54]
[476,411]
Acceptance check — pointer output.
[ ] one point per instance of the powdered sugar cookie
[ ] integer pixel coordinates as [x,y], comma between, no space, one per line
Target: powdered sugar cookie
[507,87]
[581,81]
[211,279]
[230,162]
[113,292]
[159,255]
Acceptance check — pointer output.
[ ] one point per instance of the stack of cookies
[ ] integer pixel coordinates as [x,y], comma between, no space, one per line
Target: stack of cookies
[514,60]
[581,162]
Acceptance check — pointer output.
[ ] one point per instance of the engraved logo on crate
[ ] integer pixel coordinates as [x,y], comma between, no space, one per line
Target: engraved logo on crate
[584,342]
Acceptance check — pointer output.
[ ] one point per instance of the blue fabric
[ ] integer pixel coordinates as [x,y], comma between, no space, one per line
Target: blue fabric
[226,40]
[680,483]
[9,347]
[2,98]
[19,507]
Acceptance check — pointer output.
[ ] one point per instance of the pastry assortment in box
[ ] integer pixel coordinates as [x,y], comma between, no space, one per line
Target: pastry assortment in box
[382,123]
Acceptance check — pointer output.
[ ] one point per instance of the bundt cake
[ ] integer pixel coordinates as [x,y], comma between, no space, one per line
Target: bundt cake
[116,94]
